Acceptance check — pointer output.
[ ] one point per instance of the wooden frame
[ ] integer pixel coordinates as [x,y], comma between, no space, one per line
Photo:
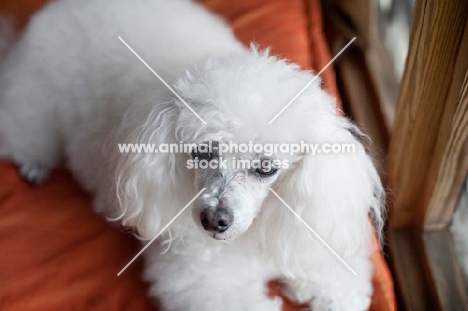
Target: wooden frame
[430,94]
[428,158]
[423,145]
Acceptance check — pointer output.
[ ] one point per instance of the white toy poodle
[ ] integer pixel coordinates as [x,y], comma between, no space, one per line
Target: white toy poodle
[71,92]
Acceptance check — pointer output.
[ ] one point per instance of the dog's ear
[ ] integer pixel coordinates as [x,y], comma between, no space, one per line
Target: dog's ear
[149,187]
[334,193]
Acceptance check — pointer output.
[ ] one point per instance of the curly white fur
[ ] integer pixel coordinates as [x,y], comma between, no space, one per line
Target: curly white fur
[69,90]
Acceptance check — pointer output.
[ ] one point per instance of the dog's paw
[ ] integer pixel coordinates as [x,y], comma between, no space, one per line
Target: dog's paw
[320,300]
[297,291]
[33,173]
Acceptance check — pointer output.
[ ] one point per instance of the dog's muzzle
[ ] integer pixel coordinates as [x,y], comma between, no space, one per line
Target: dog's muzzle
[217,219]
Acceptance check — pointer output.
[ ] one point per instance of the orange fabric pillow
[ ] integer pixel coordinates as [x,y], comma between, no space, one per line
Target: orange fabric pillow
[58,255]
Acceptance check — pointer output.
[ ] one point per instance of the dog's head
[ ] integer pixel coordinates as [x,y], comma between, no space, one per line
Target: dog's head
[236,184]
[242,98]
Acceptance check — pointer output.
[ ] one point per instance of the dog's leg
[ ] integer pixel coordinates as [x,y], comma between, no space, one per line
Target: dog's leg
[34,147]
[208,279]
[30,143]
[334,291]
[325,297]
[29,132]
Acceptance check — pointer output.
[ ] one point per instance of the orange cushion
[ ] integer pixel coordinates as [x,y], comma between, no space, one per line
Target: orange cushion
[58,255]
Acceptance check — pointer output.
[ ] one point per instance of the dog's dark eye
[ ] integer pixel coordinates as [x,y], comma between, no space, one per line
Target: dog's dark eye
[267,168]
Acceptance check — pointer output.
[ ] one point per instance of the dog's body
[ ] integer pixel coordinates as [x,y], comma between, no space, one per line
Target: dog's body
[69,89]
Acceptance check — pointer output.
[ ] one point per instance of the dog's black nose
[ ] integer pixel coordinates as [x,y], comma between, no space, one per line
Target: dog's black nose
[218,219]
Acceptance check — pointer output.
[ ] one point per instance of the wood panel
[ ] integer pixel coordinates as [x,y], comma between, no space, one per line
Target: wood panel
[453,168]
[434,74]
